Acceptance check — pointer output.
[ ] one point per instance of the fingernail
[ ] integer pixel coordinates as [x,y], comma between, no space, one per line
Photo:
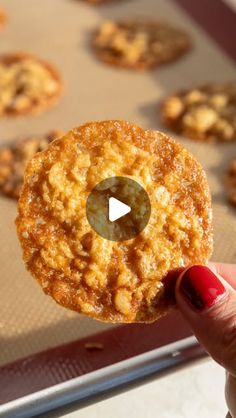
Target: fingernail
[201,287]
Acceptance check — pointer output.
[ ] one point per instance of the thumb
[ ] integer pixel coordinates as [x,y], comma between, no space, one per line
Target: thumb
[208,303]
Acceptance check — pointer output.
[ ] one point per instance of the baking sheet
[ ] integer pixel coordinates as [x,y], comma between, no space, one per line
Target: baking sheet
[58,30]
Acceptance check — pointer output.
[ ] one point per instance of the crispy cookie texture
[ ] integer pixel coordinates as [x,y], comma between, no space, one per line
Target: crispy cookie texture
[106,280]
[14,158]
[205,113]
[28,84]
[230,183]
[139,44]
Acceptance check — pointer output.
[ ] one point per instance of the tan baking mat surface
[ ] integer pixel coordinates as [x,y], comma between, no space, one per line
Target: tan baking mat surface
[58,30]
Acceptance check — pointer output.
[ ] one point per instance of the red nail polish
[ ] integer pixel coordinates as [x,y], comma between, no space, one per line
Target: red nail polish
[201,287]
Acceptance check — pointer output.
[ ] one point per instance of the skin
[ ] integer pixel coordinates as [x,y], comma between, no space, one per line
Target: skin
[215,328]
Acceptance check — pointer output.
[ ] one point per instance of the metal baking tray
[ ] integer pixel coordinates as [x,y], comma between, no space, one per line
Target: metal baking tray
[45,363]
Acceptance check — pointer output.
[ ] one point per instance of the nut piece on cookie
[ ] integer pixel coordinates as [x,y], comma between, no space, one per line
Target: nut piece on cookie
[139,44]
[113,281]
[206,113]
[230,182]
[27,84]
[14,158]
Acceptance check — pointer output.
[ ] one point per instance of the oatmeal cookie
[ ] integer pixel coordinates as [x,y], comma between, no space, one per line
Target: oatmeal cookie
[107,280]
[206,113]
[230,182]
[139,44]
[13,160]
[27,84]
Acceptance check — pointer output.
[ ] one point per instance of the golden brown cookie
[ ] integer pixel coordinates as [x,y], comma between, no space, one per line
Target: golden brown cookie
[230,182]
[107,280]
[13,160]
[27,84]
[206,113]
[139,44]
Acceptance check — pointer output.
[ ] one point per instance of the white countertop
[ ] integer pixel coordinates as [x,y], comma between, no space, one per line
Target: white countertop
[195,392]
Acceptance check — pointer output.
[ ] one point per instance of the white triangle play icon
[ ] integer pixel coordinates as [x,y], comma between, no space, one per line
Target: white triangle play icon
[117,209]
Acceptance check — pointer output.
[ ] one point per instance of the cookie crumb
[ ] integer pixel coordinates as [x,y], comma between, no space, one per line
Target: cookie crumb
[94,346]
[3,18]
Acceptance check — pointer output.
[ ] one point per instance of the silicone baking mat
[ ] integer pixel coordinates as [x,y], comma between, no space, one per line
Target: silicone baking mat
[59,31]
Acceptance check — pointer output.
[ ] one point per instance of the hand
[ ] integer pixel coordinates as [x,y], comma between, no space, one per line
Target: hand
[207,299]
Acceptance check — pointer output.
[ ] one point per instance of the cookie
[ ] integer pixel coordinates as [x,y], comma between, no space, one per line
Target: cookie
[206,113]
[106,280]
[230,182]
[13,160]
[27,84]
[139,44]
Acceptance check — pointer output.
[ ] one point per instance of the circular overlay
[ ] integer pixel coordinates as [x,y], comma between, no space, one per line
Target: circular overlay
[126,191]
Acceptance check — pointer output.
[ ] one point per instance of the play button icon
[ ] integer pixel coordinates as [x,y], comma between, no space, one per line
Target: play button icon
[118,208]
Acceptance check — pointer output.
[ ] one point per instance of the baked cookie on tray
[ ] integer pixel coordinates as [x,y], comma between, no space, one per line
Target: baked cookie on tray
[230,182]
[13,160]
[205,113]
[106,280]
[139,44]
[27,84]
